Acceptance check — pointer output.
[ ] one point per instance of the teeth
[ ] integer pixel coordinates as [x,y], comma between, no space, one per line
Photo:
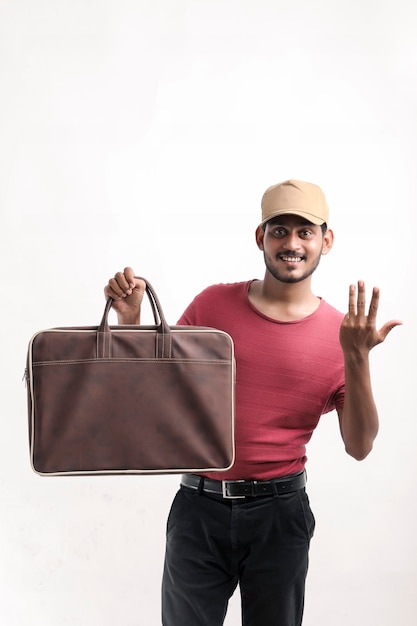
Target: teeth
[292,259]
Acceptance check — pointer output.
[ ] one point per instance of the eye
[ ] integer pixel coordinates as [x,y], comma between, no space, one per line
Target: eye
[279,231]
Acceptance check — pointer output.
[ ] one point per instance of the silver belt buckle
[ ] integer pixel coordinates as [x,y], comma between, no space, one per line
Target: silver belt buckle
[224,489]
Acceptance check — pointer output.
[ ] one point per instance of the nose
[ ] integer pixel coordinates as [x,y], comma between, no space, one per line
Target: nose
[292,240]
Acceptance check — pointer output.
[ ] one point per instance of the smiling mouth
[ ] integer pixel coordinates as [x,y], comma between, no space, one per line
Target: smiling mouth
[291,259]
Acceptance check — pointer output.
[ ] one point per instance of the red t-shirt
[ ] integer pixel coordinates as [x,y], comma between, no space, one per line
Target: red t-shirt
[287,375]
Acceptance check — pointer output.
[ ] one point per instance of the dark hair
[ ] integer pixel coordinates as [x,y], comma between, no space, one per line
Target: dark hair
[323,227]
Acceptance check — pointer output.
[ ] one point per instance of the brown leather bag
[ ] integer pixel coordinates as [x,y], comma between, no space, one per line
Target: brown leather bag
[131,399]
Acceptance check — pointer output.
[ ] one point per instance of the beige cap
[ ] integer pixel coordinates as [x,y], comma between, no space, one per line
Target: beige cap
[297,198]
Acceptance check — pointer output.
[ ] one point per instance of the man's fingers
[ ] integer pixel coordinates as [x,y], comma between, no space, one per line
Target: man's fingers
[122,284]
[361,298]
[387,328]
[129,275]
[373,306]
[357,301]
[114,290]
[352,300]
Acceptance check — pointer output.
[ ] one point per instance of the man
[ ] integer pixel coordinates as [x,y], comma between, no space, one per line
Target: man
[296,358]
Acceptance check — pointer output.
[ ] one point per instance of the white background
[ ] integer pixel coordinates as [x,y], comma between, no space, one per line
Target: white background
[144,133]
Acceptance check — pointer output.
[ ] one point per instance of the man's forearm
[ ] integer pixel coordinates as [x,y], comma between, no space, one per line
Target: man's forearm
[359,421]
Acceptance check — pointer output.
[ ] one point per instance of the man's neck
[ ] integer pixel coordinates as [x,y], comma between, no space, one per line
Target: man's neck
[283,301]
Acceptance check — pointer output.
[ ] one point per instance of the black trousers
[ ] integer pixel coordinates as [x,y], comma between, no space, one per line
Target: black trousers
[213,545]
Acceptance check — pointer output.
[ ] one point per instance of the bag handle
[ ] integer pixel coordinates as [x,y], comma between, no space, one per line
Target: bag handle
[163,336]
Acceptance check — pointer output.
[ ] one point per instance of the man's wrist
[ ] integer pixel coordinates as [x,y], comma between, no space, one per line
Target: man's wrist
[128,320]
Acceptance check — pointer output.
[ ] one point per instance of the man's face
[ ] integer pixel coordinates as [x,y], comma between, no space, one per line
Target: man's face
[292,247]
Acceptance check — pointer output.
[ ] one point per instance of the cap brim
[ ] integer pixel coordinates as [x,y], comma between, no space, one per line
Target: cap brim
[307,216]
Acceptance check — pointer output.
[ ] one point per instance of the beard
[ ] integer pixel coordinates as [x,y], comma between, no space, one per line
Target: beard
[288,276]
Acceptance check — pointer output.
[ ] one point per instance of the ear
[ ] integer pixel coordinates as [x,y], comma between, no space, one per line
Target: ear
[259,234]
[328,239]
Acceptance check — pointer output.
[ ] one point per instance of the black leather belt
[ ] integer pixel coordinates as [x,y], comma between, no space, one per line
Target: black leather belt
[245,488]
